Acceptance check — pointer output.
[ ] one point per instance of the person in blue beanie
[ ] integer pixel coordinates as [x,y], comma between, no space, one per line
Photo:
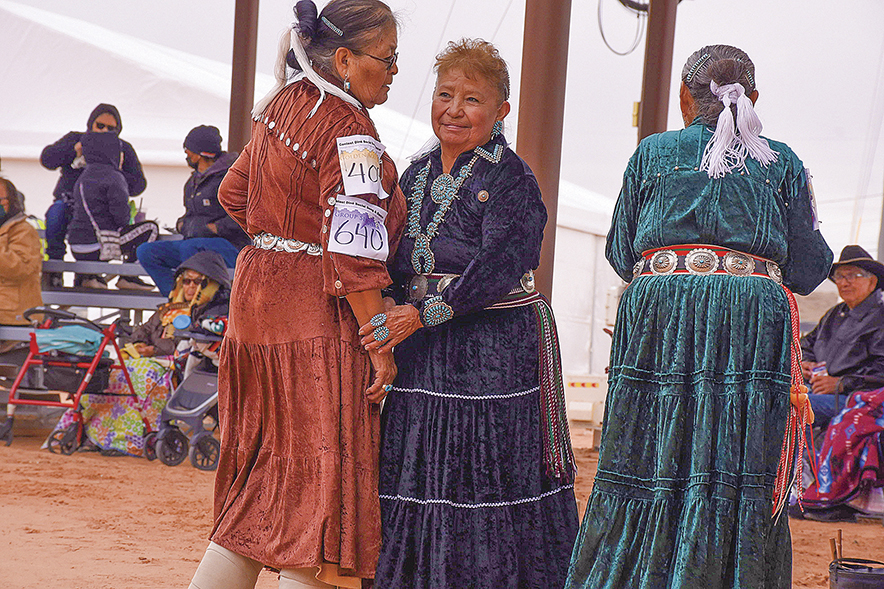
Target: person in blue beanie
[205,225]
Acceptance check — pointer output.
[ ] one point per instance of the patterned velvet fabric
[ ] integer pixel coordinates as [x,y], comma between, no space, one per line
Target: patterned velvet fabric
[699,377]
[297,480]
[465,500]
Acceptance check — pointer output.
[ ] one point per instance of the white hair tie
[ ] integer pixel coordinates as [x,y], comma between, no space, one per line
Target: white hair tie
[733,141]
[306,71]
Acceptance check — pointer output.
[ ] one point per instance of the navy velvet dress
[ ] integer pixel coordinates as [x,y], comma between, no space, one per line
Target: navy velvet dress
[698,387]
[465,498]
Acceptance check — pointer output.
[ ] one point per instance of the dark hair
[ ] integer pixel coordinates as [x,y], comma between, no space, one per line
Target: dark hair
[723,64]
[16,198]
[475,57]
[354,24]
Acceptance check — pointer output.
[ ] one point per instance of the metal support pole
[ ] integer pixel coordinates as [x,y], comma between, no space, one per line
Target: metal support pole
[242,82]
[654,108]
[542,111]
[881,237]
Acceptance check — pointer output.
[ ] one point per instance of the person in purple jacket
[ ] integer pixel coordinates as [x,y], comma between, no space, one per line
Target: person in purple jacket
[100,203]
[66,155]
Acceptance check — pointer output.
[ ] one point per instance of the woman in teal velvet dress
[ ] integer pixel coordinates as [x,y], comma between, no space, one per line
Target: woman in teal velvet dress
[711,223]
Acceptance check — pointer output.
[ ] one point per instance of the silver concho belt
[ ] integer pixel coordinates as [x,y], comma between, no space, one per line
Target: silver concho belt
[267,241]
[423,285]
[702,260]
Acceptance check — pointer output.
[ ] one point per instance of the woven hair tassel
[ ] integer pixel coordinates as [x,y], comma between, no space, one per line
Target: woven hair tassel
[749,127]
[732,140]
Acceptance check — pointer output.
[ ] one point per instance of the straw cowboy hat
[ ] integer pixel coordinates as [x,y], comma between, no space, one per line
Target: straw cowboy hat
[857,256]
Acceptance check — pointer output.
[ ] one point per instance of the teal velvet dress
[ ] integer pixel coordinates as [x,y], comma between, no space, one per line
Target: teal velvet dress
[698,388]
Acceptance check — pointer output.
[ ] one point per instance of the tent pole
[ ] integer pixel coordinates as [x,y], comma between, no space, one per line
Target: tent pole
[542,110]
[654,107]
[242,81]
[881,237]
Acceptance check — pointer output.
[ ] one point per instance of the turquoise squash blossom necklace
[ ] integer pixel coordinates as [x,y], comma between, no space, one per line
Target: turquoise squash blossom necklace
[443,192]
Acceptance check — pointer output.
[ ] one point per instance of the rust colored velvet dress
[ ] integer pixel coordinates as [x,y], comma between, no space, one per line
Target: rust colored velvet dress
[298,475]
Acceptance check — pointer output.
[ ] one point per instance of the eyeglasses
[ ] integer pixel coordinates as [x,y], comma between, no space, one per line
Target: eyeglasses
[388,61]
[849,276]
[194,281]
[103,126]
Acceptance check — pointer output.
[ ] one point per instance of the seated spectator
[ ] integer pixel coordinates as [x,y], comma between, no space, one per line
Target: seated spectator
[20,260]
[851,465]
[205,224]
[844,353]
[113,423]
[66,154]
[99,228]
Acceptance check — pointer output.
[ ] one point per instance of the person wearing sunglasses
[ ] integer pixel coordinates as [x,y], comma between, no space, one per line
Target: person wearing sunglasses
[113,424]
[66,155]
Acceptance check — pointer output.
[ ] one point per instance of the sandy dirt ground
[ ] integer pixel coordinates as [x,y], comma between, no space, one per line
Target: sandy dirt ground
[96,522]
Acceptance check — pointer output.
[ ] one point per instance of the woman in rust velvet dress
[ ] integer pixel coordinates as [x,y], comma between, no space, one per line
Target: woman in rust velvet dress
[296,487]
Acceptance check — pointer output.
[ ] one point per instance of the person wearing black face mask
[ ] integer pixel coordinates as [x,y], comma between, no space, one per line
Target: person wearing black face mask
[205,224]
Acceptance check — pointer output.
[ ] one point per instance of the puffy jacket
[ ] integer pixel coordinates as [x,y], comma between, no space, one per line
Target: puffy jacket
[62,154]
[201,205]
[20,269]
[102,186]
[207,263]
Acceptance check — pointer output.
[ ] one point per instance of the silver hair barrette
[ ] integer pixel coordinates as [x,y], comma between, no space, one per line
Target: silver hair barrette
[694,68]
[329,24]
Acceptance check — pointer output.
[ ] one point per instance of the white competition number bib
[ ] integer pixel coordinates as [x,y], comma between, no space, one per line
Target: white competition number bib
[360,157]
[357,229]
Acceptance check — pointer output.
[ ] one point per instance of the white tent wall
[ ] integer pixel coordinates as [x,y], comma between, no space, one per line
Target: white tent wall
[57,69]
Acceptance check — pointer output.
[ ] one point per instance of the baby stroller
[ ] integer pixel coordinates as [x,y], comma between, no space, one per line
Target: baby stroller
[61,371]
[192,407]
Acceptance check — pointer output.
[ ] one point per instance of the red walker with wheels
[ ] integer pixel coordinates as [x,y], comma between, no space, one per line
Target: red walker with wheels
[67,440]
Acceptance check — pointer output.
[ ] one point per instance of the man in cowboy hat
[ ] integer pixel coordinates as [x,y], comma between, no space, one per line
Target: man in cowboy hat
[845,352]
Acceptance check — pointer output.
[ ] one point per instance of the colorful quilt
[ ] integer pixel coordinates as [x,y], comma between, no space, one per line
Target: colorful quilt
[117,422]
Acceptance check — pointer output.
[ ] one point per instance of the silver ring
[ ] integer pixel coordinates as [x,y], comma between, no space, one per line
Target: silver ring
[378,320]
[388,388]
[381,334]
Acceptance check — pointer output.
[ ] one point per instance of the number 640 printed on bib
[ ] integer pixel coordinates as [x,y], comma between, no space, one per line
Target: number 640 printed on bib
[357,229]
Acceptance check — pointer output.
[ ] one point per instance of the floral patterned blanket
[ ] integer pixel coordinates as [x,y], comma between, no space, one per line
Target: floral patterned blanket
[116,422]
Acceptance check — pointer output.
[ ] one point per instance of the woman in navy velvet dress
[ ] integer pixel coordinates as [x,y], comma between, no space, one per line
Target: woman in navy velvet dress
[471,496]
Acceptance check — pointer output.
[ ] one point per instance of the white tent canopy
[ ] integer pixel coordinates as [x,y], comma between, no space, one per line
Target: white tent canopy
[57,69]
